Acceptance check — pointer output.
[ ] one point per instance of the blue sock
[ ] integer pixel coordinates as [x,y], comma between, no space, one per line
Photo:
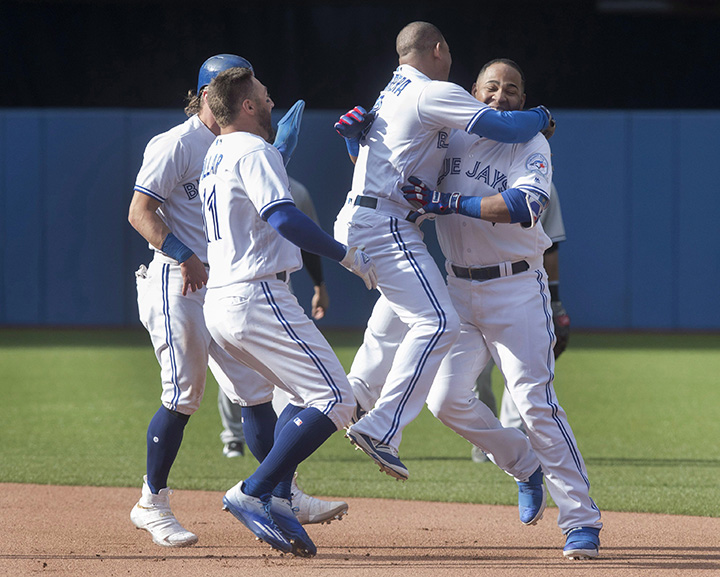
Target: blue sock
[297,440]
[259,426]
[284,487]
[164,436]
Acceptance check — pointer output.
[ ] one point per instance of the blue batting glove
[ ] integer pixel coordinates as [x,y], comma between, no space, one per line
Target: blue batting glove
[288,129]
[352,126]
[429,201]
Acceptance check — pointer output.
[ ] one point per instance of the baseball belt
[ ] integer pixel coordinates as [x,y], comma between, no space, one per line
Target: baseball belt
[386,207]
[281,276]
[490,272]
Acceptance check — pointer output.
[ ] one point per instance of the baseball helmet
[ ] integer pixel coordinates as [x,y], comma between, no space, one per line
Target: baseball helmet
[217,64]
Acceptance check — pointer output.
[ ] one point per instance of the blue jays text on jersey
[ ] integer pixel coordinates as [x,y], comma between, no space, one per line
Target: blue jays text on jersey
[492,177]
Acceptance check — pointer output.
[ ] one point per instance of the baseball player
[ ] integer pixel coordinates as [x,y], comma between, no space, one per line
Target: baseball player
[552,222]
[232,435]
[255,233]
[411,123]
[165,210]
[308,509]
[491,197]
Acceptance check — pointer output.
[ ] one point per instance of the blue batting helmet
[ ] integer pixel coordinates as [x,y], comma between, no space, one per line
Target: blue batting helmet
[217,64]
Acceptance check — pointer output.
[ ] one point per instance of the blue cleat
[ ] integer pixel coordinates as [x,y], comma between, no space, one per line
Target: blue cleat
[582,543]
[384,455]
[532,497]
[282,513]
[253,512]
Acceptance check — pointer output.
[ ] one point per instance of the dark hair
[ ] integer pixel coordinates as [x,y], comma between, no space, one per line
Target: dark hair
[226,93]
[507,62]
[193,103]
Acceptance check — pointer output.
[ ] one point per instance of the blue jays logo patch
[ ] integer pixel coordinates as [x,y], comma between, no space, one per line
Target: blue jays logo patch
[539,163]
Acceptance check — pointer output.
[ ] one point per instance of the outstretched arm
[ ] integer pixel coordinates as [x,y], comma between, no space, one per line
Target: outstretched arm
[300,230]
[515,126]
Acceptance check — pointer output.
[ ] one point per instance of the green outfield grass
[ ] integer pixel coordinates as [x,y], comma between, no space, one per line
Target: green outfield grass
[644,408]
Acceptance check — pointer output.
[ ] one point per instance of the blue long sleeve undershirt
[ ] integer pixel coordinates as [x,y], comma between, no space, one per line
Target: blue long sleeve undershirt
[509,126]
[514,199]
[300,230]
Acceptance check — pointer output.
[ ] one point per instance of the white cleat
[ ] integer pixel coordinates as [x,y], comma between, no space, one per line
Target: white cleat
[152,513]
[309,510]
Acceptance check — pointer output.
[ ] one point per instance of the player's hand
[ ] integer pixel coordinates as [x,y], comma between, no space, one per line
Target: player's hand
[288,129]
[361,264]
[352,126]
[429,201]
[320,302]
[194,274]
[549,130]
[561,321]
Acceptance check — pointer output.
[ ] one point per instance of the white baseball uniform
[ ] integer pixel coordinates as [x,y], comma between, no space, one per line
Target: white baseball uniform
[554,227]
[170,174]
[413,119]
[508,318]
[249,308]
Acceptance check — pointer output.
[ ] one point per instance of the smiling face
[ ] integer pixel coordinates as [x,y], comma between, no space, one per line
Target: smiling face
[501,87]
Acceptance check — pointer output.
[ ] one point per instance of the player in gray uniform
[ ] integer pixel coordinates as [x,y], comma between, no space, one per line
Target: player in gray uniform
[411,123]
[166,211]
[491,198]
[255,234]
[552,222]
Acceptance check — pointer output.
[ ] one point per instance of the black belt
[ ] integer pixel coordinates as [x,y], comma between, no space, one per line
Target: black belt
[488,272]
[372,202]
[281,276]
[366,201]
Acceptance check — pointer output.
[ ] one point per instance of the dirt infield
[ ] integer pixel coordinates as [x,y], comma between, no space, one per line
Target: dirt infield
[82,531]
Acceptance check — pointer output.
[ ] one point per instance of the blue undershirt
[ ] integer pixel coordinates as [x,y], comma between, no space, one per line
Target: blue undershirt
[300,230]
[514,200]
[509,126]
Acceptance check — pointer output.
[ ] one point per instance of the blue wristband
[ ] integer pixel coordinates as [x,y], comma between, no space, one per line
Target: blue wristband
[353,146]
[172,247]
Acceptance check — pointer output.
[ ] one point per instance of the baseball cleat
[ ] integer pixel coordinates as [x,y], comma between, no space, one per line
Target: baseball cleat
[582,543]
[478,455]
[309,510]
[532,497]
[152,513]
[254,513]
[234,449]
[384,455]
[282,513]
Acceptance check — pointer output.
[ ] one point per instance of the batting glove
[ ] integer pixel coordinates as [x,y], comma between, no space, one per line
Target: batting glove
[361,264]
[288,129]
[352,126]
[561,322]
[429,201]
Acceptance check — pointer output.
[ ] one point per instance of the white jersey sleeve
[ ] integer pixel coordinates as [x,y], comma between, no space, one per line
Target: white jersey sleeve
[531,172]
[447,105]
[170,174]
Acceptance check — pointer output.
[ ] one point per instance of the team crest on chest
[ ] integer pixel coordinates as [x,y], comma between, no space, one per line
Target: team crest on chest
[539,163]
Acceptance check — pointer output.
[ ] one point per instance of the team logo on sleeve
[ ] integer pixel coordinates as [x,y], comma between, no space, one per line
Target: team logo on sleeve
[539,163]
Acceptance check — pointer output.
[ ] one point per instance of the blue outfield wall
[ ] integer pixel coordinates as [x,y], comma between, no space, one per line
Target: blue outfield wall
[642,252]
